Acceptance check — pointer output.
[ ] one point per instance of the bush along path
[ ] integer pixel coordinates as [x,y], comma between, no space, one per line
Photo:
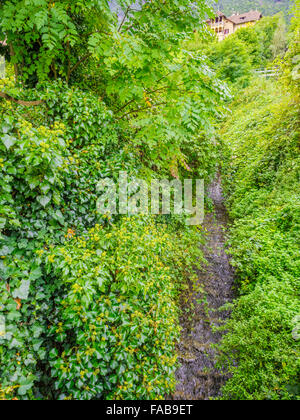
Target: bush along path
[198,377]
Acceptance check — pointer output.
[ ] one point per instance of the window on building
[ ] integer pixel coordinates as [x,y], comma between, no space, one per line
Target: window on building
[221,18]
[217,20]
[226,31]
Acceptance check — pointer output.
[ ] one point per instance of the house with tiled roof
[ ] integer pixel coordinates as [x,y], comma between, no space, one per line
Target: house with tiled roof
[224,26]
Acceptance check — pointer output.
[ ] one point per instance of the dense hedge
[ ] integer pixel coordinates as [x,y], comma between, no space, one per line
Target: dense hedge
[116,321]
[89,301]
[262,182]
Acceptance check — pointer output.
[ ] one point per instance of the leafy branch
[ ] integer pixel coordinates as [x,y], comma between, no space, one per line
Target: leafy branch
[20,101]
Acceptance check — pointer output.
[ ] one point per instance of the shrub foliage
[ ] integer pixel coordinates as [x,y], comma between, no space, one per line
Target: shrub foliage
[88,300]
[262,182]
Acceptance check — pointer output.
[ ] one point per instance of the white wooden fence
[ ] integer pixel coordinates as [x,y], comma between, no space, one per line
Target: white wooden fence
[270,72]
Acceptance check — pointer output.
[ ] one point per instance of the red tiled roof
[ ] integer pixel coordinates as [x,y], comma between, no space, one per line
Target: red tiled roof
[252,16]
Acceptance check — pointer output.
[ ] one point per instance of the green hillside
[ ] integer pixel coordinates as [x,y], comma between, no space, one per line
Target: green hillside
[267,7]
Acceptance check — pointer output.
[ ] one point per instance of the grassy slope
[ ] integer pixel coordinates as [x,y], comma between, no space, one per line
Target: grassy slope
[262,181]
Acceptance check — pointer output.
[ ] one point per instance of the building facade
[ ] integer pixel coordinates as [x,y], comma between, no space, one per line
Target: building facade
[224,26]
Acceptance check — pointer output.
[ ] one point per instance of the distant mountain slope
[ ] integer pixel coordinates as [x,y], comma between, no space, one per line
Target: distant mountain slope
[267,7]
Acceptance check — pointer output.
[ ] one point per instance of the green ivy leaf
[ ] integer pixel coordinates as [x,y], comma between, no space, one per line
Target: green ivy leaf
[8,141]
[23,291]
[44,200]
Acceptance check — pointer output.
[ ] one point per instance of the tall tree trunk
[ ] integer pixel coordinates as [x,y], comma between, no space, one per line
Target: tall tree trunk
[12,54]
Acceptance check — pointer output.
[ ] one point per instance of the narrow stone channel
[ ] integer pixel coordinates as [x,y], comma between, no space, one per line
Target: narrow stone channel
[197,377]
